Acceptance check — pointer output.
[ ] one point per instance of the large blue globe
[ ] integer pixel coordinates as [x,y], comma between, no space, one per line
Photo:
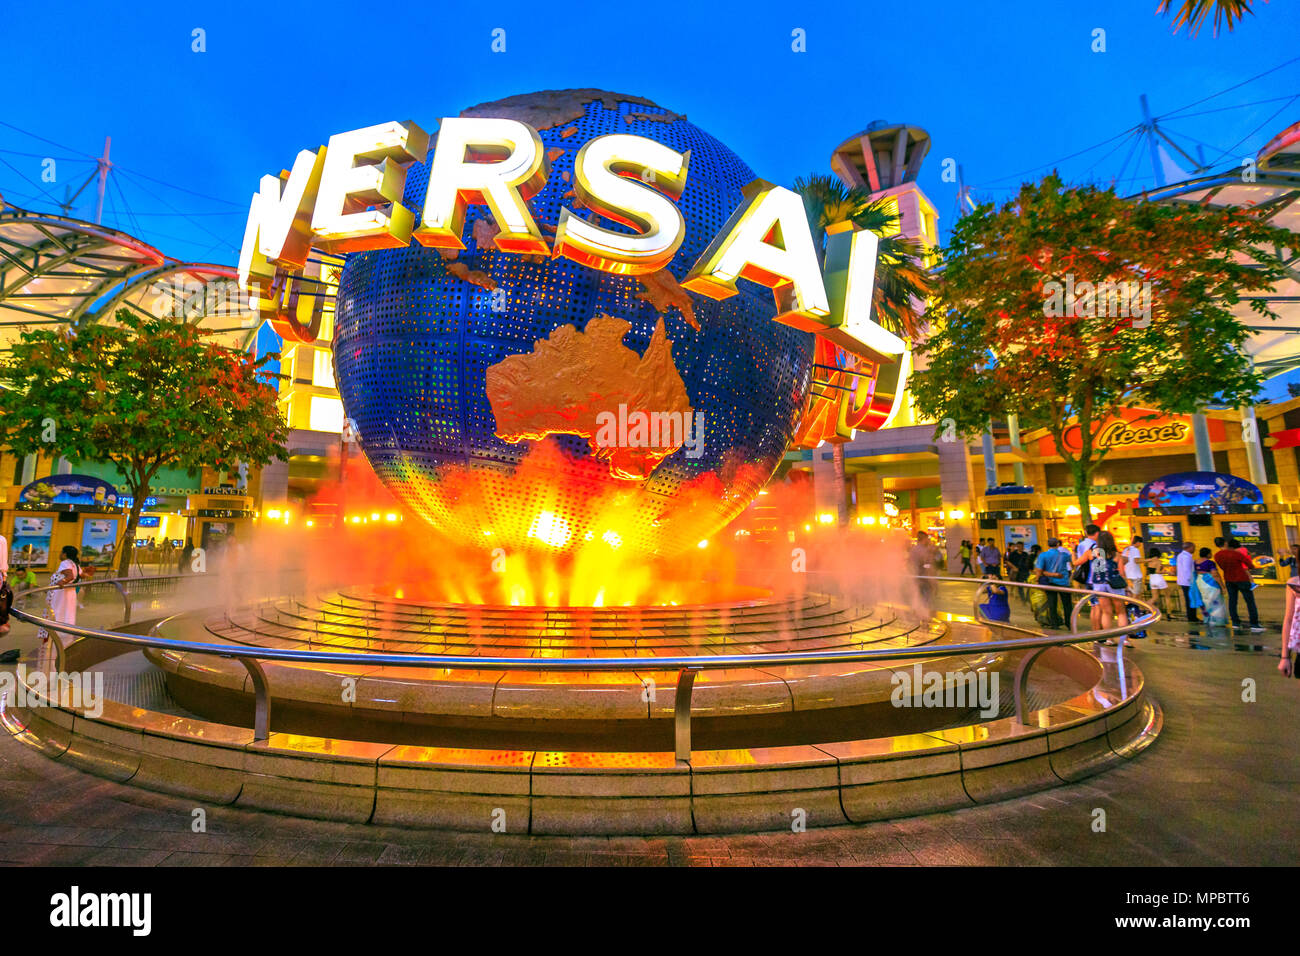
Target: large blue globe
[413,343]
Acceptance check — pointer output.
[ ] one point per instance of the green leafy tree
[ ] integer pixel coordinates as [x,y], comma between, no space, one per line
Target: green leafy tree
[142,393]
[902,281]
[1157,331]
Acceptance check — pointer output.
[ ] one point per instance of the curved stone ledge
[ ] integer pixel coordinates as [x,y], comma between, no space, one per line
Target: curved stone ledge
[571,792]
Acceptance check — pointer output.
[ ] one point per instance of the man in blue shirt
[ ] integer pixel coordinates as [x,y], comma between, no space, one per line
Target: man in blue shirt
[1054,569]
[991,558]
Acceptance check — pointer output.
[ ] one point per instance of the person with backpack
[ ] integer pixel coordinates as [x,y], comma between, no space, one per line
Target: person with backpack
[1102,574]
[1054,569]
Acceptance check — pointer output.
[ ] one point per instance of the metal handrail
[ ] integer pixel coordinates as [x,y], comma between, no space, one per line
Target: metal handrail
[688,666]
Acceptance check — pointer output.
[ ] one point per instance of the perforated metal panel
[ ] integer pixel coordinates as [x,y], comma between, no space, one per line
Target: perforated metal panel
[413,343]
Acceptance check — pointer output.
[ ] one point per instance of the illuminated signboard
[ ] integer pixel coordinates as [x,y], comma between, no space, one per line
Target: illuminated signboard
[1200,491]
[1137,429]
[346,197]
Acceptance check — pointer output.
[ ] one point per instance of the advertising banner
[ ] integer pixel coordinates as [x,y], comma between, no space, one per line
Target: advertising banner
[98,542]
[69,490]
[1165,535]
[31,543]
[1026,534]
[1199,490]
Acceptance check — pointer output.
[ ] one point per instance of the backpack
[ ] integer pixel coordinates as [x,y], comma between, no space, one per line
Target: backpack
[1080,575]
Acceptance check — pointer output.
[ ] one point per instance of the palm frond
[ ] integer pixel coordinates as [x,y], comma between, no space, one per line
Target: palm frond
[901,278]
[1193,13]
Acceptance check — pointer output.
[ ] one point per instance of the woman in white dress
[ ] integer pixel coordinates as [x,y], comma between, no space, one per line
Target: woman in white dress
[63,603]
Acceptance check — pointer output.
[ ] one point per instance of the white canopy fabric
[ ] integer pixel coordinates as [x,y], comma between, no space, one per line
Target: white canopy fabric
[1273,184]
[55,270]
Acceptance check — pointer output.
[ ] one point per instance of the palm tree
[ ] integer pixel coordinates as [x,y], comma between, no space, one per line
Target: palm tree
[1194,12]
[902,279]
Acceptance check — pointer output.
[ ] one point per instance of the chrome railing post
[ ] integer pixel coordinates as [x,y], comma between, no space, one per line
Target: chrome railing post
[682,712]
[126,601]
[1021,685]
[1074,615]
[262,698]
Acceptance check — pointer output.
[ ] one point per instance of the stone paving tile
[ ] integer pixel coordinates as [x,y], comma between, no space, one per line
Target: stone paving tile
[399,854]
[63,836]
[318,852]
[182,858]
[127,856]
[888,851]
[356,853]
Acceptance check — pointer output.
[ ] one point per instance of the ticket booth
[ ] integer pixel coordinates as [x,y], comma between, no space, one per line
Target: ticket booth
[61,510]
[218,514]
[1200,506]
[1012,514]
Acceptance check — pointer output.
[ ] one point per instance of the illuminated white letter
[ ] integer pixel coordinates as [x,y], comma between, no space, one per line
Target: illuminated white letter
[851,283]
[514,171]
[278,231]
[367,168]
[767,240]
[616,176]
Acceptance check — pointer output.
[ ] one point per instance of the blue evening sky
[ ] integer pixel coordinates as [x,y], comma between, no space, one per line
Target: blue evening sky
[1004,88]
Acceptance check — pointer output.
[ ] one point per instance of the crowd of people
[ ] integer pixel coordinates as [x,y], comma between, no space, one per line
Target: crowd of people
[1213,582]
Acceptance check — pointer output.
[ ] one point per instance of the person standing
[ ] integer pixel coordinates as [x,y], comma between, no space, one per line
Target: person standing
[1237,581]
[1291,619]
[6,593]
[63,602]
[1021,563]
[1132,556]
[1086,545]
[965,559]
[1054,569]
[1185,575]
[1208,591]
[991,558]
[921,559]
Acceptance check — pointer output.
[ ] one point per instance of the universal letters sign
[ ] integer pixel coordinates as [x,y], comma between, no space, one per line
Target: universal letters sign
[346,197]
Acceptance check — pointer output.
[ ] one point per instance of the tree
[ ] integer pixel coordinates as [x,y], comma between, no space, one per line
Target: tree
[142,393]
[1074,303]
[902,280]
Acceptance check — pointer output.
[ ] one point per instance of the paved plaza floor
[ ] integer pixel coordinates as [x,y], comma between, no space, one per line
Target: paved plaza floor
[1219,787]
